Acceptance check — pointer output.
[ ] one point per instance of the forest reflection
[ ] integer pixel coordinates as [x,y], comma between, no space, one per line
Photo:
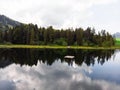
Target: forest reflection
[49,56]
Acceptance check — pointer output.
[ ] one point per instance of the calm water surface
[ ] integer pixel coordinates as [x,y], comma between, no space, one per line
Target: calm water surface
[46,69]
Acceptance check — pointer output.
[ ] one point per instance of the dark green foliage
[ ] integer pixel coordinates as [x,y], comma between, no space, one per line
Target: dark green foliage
[31,34]
[61,42]
[69,34]
[79,36]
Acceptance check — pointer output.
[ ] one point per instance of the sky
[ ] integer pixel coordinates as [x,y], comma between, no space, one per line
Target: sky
[98,14]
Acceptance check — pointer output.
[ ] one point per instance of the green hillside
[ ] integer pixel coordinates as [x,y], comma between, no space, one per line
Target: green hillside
[117,41]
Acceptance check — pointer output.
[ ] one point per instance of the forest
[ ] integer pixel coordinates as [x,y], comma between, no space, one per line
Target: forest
[30,34]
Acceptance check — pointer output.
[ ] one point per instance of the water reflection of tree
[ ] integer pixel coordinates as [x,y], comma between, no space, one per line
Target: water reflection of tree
[49,56]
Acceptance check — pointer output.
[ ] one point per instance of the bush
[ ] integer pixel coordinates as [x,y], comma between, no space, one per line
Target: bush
[7,43]
[106,44]
[60,41]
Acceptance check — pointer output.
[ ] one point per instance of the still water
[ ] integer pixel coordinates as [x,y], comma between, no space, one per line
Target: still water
[46,69]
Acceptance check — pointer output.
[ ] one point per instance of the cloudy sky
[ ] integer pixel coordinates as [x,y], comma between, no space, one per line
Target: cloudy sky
[100,14]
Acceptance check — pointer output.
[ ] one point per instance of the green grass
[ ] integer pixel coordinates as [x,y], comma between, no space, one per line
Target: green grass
[56,47]
[117,41]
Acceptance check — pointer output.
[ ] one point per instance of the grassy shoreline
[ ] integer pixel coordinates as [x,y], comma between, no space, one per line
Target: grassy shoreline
[56,47]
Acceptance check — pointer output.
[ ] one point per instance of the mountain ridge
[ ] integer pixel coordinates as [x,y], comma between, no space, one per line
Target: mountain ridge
[116,35]
[6,22]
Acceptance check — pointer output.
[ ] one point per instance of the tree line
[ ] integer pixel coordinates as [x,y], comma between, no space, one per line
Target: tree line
[31,34]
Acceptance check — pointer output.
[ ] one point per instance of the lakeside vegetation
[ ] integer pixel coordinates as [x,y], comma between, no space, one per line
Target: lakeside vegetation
[29,34]
[57,47]
[117,42]
[9,45]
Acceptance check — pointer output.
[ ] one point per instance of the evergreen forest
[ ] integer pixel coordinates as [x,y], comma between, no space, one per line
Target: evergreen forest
[29,34]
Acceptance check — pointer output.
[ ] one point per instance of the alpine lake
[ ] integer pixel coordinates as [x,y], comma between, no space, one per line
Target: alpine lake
[47,69]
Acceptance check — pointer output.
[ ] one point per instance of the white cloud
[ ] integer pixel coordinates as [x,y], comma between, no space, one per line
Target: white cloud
[58,13]
[103,1]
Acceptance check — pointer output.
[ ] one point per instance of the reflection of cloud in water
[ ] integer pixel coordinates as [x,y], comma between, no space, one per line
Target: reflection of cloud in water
[56,77]
[7,85]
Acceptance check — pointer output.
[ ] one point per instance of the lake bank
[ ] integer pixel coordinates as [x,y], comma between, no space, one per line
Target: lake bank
[57,47]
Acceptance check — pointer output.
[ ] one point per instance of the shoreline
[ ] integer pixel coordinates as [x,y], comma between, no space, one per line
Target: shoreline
[57,47]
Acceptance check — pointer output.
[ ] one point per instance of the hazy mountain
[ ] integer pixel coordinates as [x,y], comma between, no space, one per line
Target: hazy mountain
[117,35]
[6,22]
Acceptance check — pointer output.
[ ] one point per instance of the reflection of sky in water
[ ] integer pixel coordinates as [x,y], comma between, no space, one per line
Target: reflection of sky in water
[109,71]
[59,76]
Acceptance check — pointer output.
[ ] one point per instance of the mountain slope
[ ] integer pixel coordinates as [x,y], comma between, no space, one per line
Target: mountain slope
[117,35]
[6,22]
